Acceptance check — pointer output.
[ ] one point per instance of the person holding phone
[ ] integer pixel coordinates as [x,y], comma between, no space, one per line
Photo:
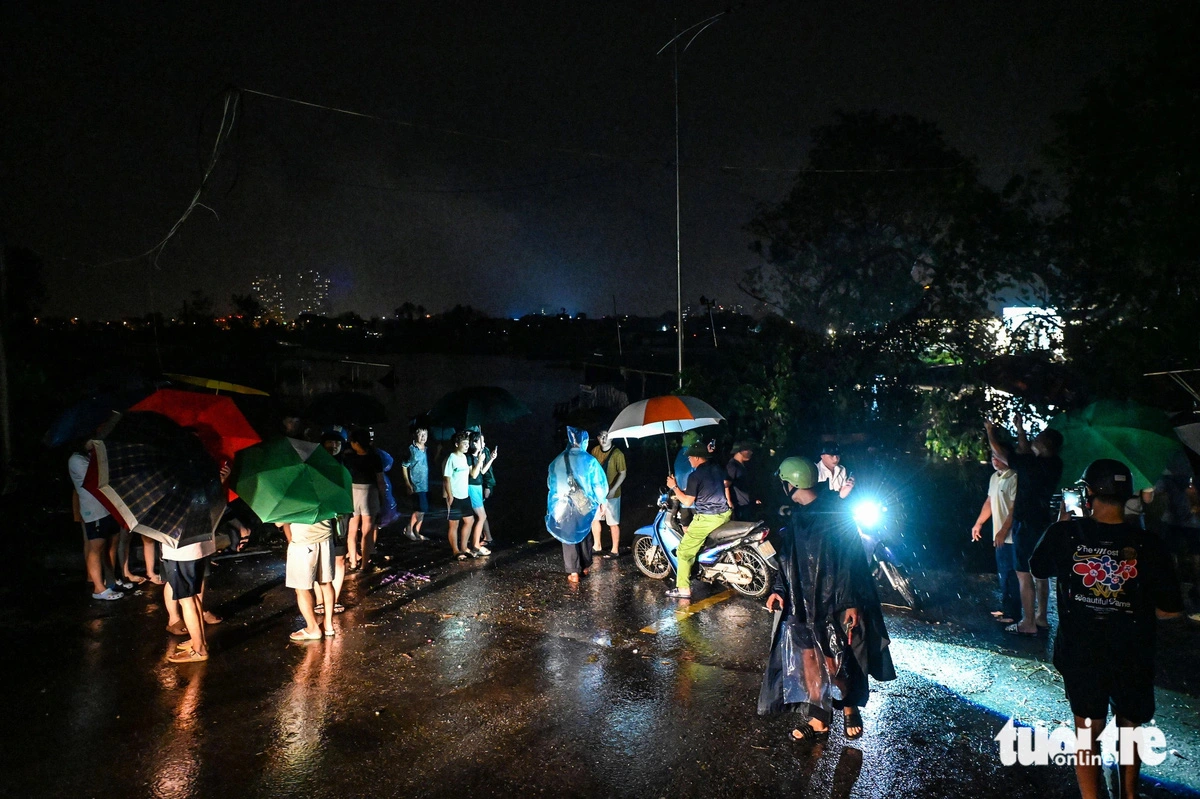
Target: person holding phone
[832,473]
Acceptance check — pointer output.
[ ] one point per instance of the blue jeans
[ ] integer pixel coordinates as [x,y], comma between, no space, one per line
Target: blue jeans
[1010,587]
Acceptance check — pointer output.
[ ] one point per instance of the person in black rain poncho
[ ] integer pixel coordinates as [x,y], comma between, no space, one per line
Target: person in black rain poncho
[829,633]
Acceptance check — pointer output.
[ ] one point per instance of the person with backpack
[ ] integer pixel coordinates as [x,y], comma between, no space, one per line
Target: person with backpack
[1114,580]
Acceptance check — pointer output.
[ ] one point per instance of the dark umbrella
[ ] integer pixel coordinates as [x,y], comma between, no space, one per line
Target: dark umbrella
[156,478]
[346,408]
[477,406]
[81,419]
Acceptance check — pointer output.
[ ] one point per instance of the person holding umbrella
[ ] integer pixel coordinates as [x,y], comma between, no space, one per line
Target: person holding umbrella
[708,495]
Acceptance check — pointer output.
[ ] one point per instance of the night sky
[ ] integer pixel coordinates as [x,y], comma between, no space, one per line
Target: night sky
[536,171]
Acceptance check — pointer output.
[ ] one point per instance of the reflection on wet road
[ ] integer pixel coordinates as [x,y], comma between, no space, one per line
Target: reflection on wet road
[500,678]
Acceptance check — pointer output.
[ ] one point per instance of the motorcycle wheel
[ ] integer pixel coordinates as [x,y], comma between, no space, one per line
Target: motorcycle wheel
[650,558]
[760,584]
[899,582]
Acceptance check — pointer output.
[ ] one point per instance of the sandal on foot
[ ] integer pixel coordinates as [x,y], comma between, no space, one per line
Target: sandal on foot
[188,655]
[330,633]
[303,635]
[806,734]
[211,618]
[338,608]
[679,593]
[853,721]
[179,628]
[1015,629]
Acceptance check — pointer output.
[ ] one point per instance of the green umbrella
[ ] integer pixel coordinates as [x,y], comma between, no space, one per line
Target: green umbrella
[288,480]
[1140,437]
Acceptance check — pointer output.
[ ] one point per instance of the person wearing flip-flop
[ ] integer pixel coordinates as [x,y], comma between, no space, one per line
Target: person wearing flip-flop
[1038,469]
[613,460]
[1002,493]
[310,562]
[829,635]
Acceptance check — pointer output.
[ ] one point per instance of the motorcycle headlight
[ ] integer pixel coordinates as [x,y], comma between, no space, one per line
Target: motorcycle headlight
[868,513]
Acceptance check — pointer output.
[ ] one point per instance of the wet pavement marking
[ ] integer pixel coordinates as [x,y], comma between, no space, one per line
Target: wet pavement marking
[692,607]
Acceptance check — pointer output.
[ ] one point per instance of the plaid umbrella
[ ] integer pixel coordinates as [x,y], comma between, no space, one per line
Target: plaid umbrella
[289,480]
[155,478]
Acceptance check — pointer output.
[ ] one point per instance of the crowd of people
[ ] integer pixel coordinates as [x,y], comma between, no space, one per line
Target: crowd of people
[319,556]
[1114,575]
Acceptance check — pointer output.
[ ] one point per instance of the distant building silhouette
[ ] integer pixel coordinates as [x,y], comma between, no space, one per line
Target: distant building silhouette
[286,298]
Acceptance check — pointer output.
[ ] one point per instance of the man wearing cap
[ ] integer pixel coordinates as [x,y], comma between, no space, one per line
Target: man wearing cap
[831,471]
[1113,581]
[707,495]
[739,481]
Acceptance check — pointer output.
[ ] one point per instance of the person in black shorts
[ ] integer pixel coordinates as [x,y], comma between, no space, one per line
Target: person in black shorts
[1039,470]
[1114,580]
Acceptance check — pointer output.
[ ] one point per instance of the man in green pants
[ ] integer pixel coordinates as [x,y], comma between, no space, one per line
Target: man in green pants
[707,495]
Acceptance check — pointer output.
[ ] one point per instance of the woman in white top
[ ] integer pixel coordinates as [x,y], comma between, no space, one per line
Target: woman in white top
[455,476]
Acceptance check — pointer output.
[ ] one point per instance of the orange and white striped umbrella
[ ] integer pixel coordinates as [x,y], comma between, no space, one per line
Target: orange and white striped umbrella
[661,415]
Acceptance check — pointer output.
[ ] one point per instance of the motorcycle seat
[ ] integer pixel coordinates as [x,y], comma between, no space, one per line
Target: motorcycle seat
[729,531]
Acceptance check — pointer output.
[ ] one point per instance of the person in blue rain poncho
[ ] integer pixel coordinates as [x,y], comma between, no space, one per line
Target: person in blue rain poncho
[577,486]
[829,633]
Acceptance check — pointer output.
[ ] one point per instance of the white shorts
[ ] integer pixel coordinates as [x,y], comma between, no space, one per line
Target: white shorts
[366,499]
[308,564]
[610,511]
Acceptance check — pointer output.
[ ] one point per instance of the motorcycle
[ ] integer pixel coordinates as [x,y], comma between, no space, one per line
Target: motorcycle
[736,553]
[870,517]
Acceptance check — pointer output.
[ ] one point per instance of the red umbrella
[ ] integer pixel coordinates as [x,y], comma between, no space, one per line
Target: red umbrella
[216,420]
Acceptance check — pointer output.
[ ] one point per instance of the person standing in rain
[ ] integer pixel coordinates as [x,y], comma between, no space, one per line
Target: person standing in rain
[577,488]
[609,456]
[829,633]
[739,481]
[455,477]
[366,473]
[1002,493]
[832,473]
[707,495]
[415,470]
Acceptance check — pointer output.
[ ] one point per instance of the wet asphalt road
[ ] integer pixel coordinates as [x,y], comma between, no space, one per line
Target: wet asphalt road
[498,678]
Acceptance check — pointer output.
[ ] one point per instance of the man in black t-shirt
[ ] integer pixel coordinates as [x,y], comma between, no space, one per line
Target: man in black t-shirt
[1113,580]
[1039,470]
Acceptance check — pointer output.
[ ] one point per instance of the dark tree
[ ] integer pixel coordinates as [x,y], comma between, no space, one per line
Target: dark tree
[888,217]
[1128,275]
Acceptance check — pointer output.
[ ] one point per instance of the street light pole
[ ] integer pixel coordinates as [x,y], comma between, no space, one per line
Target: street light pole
[678,232]
[703,25]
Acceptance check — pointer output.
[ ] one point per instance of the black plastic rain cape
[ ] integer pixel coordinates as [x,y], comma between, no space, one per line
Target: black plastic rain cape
[823,571]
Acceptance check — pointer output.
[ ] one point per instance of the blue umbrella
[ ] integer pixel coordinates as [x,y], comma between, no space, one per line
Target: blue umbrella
[81,419]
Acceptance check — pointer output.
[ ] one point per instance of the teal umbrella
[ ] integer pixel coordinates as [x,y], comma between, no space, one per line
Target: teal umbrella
[289,480]
[1138,436]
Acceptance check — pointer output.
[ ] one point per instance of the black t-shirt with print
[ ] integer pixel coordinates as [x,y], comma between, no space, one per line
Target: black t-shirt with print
[1110,577]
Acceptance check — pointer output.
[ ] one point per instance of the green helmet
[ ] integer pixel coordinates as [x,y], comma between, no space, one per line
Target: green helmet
[798,472]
